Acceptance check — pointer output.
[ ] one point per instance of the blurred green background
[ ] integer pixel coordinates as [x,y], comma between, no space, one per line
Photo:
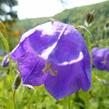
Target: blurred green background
[96,98]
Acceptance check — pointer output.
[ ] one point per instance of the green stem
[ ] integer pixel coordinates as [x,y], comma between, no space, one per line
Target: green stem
[13,98]
[69,99]
[5,42]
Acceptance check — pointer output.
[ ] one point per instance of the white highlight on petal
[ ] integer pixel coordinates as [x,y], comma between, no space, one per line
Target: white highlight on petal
[79,58]
[46,28]
[48,51]
[39,27]
[27,34]
[29,86]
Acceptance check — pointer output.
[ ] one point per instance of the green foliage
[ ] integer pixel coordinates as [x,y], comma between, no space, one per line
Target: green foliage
[5,43]
[96,98]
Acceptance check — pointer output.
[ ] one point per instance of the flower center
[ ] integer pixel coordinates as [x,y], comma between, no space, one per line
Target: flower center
[48,68]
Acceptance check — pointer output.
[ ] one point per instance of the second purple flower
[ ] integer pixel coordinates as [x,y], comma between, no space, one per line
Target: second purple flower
[100,58]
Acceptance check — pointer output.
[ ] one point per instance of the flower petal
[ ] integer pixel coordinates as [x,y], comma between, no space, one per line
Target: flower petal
[68,46]
[45,36]
[69,79]
[30,67]
[29,64]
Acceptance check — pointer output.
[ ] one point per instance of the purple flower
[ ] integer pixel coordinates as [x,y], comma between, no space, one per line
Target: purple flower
[54,54]
[5,61]
[100,58]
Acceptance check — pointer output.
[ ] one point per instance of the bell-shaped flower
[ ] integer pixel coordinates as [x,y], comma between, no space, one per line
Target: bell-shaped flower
[54,54]
[100,58]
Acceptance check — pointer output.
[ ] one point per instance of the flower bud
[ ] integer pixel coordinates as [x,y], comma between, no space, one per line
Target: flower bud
[106,27]
[5,61]
[17,82]
[89,18]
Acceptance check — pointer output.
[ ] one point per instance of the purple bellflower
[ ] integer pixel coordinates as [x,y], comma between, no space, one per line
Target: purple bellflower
[100,58]
[54,54]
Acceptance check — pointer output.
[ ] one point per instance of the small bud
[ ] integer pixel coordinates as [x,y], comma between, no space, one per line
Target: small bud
[106,26]
[17,81]
[89,18]
[5,61]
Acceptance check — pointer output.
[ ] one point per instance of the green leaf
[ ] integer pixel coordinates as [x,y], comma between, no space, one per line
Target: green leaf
[5,42]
